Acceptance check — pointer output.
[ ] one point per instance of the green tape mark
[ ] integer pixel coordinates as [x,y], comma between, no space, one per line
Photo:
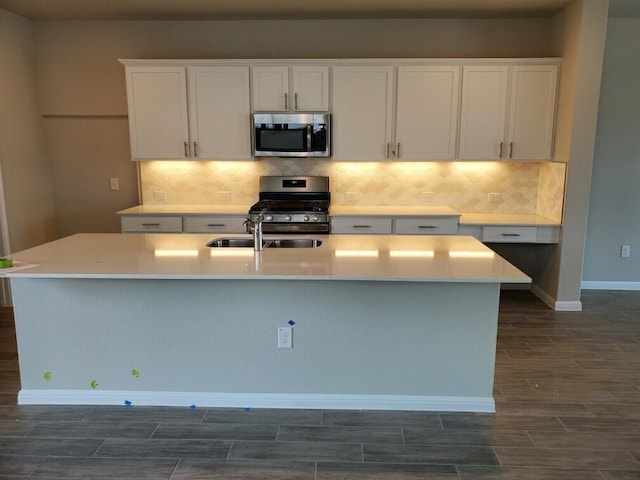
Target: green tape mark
[135,373]
[94,384]
[47,376]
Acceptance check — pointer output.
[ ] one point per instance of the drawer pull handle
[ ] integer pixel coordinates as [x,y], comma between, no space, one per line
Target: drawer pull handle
[216,224]
[150,224]
[362,226]
[427,226]
[510,234]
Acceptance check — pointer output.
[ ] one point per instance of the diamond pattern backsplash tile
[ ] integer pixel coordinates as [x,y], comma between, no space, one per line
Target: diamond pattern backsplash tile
[464,186]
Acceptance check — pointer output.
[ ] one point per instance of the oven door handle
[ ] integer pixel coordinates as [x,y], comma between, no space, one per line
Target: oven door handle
[309,130]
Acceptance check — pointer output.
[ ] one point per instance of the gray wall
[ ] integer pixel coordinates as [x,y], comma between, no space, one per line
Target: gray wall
[82,86]
[26,173]
[614,210]
[82,95]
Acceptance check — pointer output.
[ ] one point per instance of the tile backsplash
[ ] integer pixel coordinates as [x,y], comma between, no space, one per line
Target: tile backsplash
[465,186]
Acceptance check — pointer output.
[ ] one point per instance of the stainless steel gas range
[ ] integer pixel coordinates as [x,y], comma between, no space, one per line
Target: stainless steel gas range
[293,204]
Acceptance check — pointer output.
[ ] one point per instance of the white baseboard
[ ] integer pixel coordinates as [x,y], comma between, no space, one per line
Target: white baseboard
[257,400]
[596,285]
[557,305]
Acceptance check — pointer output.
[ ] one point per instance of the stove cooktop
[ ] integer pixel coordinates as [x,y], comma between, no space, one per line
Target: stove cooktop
[292,206]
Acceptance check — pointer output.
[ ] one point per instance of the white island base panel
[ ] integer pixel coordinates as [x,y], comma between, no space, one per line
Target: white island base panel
[213,343]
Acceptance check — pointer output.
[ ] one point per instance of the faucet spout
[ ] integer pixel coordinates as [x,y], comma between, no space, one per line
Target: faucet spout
[255,228]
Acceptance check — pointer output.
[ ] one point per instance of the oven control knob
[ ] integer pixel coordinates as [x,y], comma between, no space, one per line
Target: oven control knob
[305,218]
[287,218]
[315,218]
[268,218]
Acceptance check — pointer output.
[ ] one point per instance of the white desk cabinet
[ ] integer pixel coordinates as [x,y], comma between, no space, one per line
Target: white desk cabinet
[508,112]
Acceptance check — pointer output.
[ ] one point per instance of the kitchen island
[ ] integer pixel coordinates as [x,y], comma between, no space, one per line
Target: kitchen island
[377,322]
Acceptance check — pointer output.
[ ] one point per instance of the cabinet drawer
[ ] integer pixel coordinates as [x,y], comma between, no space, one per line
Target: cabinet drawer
[151,224]
[214,224]
[426,226]
[361,225]
[510,234]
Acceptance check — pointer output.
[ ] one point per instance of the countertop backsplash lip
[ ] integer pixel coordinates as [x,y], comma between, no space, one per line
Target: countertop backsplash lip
[535,188]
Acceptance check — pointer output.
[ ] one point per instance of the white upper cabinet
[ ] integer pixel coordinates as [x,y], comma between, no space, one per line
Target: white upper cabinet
[219,112]
[483,114]
[362,113]
[532,112]
[295,89]
[508,112]
[157,100]
[386,109]
[188,113]
[369,124]
[427,112]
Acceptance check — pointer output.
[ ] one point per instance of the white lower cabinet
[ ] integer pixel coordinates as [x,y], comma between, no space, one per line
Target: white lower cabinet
[426,226]
[433,225]
[362,225]
[151,224]
[214,224]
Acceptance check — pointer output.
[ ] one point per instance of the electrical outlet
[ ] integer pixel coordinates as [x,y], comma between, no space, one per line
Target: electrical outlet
[224,197]
[625,251]
[350,197]
[159,196]
[285,339]
[495,197]
[427,197]
[114,184]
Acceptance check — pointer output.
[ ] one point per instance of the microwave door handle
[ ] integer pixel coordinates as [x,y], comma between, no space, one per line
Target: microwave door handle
[309,130]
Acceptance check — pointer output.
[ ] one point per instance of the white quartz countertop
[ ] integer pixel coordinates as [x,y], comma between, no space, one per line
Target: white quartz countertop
[340,257]
[392,211]
[498,219]
[169,209]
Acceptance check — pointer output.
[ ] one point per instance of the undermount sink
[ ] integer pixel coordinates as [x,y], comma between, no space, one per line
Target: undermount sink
[267,243]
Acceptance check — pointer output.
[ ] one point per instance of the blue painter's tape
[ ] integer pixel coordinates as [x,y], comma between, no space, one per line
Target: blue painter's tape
[247,409]
[127,403]
[292,323]
[193,405]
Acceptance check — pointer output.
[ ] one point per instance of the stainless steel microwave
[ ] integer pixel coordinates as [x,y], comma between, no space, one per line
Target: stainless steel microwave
[291,134]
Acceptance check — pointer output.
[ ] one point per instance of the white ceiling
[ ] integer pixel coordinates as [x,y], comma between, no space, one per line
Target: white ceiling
[293,9]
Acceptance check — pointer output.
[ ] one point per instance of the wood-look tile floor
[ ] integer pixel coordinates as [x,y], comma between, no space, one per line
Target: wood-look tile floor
[567,391]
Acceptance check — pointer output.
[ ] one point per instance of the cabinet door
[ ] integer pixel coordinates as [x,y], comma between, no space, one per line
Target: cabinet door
[157,102]
[270,89]
[361,225]
[150,224]
[214,224]
[219,112]
[532,112]
[362,112]
[483,112]
[310,87]
[427,113]
[426,226]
